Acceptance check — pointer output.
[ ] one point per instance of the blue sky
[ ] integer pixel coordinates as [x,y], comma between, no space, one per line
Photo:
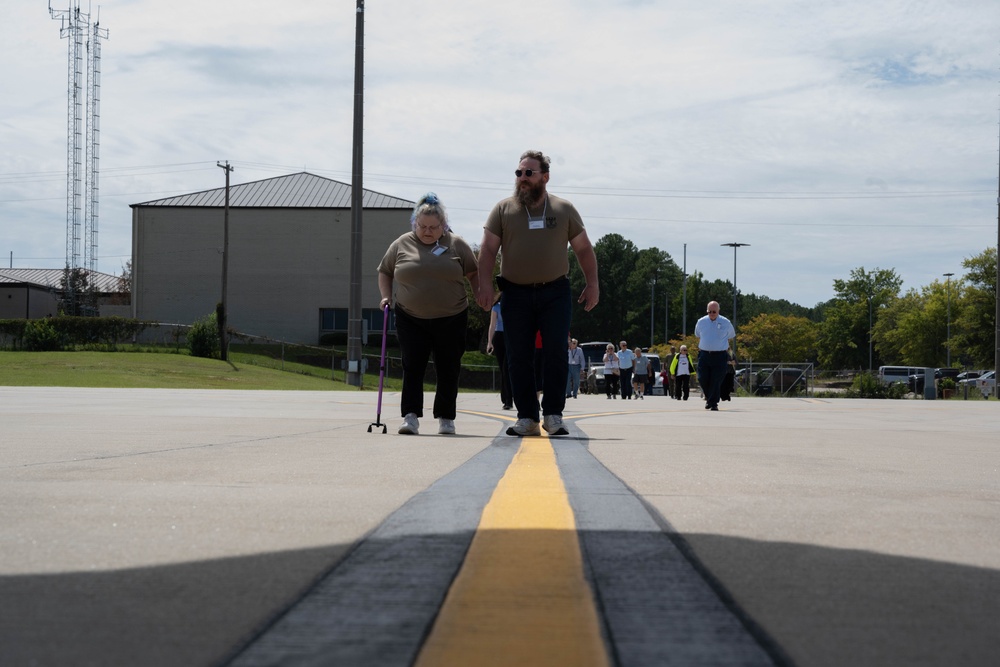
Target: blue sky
[826,136]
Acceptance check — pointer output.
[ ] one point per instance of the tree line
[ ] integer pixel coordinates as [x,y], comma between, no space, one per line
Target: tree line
[868,323]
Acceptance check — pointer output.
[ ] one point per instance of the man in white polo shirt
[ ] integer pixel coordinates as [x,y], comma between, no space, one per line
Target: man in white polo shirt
[714,333]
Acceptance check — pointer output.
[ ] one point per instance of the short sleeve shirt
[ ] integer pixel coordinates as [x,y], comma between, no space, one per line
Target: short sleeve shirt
[641,365]
[625,358]
[714,336]
[427,283]
[534,252]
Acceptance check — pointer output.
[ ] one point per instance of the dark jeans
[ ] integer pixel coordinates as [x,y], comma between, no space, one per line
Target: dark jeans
[626,380]
[711,372]
[573,380]
[500,350]
[527,310]
[418,338]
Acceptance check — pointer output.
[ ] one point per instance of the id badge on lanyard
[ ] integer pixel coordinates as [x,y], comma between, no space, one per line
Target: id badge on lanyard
[538,222]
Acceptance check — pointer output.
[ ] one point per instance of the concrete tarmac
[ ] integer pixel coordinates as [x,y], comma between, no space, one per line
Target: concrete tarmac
[163,527]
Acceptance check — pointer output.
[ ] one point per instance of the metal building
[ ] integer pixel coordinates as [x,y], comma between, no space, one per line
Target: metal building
[289,256]
[36,293]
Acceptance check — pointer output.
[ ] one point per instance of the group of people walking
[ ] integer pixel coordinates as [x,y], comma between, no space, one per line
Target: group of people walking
[422,278]
[627,372]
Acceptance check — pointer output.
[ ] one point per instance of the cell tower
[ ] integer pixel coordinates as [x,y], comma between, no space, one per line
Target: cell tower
[82,134]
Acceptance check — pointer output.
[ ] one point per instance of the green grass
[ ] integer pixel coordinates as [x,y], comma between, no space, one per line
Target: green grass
[167,371]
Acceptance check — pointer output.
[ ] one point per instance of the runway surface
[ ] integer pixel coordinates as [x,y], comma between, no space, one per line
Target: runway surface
[165,527]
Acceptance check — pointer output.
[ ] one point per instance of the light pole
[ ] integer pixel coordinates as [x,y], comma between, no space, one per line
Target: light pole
[870,296]
[684,304]
[652,309]
[734,246]
[948,287]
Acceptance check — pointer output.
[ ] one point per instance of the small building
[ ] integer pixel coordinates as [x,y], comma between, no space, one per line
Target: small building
[289,265]
[36,293]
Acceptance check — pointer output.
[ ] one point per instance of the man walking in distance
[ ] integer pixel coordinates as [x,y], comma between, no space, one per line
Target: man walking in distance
[714,333]
[626,363]
[532,229]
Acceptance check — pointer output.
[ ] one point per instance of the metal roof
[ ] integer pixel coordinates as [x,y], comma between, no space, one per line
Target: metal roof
[302,190]
[52,279]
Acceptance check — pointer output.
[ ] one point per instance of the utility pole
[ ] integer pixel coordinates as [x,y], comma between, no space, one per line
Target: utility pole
[666,319]
[223,314]
[684,305]
[948,287]
[996,316]
[355,372]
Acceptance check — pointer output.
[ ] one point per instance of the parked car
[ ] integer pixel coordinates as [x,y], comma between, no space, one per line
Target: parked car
[987,379]
[917,379]
[780,381]
[890,374]
[593,354]
[654,367]
[968,375]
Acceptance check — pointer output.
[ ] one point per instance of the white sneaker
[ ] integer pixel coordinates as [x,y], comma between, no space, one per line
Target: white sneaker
[553,424]
[446,426]
[410,424]
[524,426]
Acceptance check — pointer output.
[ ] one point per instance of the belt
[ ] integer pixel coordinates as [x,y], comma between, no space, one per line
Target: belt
[557,281]
[714,351]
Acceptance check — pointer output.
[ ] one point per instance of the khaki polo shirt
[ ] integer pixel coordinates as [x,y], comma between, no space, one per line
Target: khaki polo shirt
[534,255]
[425,284]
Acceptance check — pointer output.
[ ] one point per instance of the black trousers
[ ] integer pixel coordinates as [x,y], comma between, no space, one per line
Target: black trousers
[444,337]
[682,386]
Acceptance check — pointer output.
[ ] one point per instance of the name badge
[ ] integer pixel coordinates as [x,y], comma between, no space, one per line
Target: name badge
[439,250]
[536,223]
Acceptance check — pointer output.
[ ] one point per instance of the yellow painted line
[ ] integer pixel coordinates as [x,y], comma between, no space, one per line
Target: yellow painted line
[521,597]
[510,417]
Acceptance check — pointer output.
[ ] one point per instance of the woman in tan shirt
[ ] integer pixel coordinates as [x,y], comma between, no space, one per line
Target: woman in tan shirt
[422,276]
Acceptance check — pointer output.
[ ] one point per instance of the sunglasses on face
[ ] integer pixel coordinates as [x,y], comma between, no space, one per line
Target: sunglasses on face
[526,172]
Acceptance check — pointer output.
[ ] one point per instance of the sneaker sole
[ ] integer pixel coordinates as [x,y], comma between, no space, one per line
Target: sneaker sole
[511,431]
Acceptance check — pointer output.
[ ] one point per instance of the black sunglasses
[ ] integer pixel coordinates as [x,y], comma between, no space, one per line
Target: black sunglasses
[526,172]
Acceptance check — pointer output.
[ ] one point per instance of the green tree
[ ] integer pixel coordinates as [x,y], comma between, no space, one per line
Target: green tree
[778,338]
[913,329]
[651,264]
[77,296]
[851,315]
[616,257]
[974,311]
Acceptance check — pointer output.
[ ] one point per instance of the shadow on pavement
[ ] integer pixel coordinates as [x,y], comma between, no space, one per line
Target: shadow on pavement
[820,606]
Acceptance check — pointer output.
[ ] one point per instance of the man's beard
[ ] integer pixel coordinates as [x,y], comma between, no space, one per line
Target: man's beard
[528,196]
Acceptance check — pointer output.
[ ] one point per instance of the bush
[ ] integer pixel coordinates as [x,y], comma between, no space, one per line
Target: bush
[203,338]
[41,336]
[946,383]
[72,332]
[867,385]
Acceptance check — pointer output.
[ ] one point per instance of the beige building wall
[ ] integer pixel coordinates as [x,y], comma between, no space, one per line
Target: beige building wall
[284,265]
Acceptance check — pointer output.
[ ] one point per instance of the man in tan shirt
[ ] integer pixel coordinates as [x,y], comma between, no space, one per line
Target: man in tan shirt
[533,229]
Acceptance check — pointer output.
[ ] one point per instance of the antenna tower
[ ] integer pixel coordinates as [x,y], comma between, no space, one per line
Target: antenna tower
[82,133]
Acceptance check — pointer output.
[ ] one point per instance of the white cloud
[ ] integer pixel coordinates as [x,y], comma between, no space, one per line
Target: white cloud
[770,123]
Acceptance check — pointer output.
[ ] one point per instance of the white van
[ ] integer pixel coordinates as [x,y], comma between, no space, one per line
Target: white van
[890,374]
